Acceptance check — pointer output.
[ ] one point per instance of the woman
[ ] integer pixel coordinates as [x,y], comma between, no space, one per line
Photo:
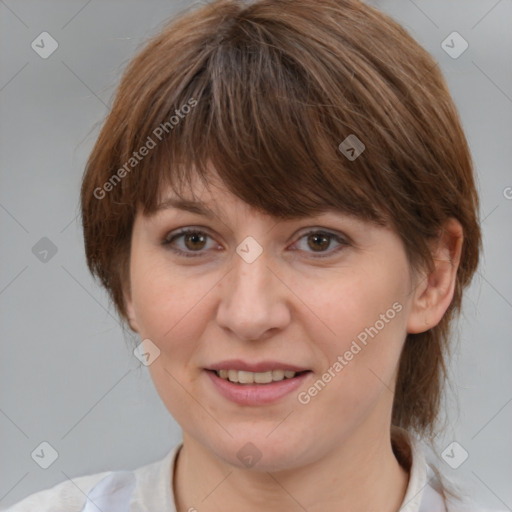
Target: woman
[281,203]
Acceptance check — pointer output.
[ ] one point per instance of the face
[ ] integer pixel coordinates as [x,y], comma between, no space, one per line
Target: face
[328,297]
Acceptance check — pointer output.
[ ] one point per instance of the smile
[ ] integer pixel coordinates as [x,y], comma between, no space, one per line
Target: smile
[245,377]
[256,388]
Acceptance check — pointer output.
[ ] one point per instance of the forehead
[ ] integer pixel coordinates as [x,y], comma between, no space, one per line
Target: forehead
[207,196]
[216,202]
[230,193]
[221,204]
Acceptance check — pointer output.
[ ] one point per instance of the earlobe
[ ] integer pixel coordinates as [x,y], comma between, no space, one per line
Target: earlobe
[434,292]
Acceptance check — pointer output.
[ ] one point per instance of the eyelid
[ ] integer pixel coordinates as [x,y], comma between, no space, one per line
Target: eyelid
[184,230]
[320,229]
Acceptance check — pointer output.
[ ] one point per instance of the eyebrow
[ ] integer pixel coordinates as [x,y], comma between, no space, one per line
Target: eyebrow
[200,208]
[186,205]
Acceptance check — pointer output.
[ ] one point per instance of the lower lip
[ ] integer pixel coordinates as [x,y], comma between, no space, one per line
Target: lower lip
[256,394]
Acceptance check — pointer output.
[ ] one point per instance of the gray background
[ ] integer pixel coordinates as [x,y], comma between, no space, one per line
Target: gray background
[67,376]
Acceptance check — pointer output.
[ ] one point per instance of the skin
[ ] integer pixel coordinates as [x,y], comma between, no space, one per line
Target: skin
[292,306]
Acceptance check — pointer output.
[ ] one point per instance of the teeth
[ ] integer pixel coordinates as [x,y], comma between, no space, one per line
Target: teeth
[244,377]
[279,374]
[263,378]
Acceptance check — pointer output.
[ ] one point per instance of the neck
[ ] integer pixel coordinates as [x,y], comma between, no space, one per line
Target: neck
[361,475]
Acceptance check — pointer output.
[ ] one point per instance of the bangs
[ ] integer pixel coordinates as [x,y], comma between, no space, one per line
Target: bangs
[246,109]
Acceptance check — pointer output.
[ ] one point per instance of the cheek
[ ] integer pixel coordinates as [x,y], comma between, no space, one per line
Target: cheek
[354,303]
[359,348]
[170,312]
[361,317]
[164,301]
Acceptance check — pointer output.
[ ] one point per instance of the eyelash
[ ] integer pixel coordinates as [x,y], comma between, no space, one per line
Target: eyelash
[169,240]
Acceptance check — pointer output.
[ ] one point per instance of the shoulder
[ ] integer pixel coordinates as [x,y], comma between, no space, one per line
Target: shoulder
[429,489]
[67,496]
[145,485]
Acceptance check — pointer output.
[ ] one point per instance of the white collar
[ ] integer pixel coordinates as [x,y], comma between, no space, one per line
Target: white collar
[424,492]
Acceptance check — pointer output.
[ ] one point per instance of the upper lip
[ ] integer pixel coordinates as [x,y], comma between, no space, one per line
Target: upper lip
[262,366]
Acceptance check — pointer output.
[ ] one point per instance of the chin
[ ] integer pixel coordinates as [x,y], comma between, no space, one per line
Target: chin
[261,452]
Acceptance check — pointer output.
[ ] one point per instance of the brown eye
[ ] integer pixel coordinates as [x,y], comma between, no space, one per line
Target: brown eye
[319,242]
[194,241]
[188,242]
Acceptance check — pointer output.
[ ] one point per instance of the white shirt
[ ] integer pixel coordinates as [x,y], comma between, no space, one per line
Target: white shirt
[148,489]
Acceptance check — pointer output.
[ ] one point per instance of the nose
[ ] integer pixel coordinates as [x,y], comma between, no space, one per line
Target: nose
[254,301]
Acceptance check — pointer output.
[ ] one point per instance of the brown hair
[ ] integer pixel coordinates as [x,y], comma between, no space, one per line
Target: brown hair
[272,89]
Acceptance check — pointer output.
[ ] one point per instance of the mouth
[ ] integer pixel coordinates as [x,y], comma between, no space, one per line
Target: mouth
[244,378]
[247,388]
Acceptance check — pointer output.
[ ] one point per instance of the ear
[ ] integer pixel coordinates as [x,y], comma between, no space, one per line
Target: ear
[130,311]
[434,291]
